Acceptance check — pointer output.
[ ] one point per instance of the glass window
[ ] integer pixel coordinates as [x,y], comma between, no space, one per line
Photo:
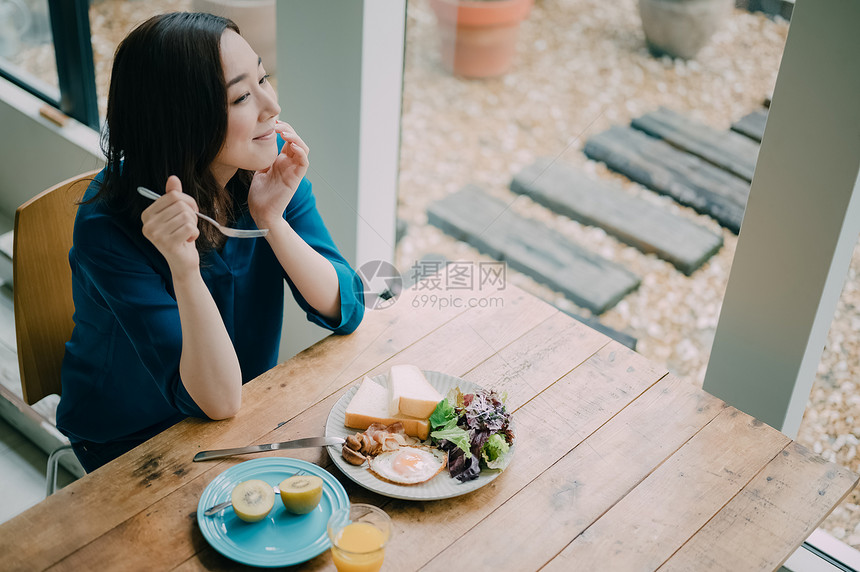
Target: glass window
[579,69]
[110,22]
[27,46]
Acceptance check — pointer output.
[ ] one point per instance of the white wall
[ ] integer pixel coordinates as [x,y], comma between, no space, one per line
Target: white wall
[35,153]
[340,77]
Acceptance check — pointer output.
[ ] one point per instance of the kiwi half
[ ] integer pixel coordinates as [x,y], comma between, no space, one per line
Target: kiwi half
[252,500]
[301,493]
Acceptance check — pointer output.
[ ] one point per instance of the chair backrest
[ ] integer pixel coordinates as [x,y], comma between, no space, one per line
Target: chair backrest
[42,284]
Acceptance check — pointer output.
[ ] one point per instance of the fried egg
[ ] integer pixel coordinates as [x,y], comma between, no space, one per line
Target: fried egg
[408,465]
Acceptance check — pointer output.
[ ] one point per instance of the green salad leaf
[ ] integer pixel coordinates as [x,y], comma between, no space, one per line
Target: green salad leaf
[495,450]
[443,413]
[474,429]
[455,434]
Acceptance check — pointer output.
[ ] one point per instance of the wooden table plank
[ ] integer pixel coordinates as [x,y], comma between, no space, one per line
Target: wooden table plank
[585,483]
[268,398]
[521,373]
[172,534]
[770,518]
[605,475]
[158,467]
[594,323]
[479,330]
[620,373]
[153,538]
[654,520]
[529,365]
[169,526]
[652,229]
[548,426]
[381,334]
[153,470]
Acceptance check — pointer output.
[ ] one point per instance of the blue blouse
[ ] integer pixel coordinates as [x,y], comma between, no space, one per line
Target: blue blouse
[120,373]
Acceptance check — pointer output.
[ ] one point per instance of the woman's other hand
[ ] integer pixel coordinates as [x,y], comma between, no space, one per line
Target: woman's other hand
[273,188]
[170,223]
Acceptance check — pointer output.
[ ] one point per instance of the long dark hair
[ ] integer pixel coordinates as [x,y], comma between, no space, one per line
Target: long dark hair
[167,115]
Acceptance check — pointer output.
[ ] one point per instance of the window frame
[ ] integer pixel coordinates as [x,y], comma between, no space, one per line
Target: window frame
[73,51]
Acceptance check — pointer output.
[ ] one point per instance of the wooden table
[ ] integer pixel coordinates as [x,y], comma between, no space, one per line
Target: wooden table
[619,465]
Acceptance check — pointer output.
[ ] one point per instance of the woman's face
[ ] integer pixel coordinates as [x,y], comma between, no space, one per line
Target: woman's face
[252,109]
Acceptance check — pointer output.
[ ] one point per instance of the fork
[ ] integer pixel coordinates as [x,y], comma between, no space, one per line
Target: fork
[226,230]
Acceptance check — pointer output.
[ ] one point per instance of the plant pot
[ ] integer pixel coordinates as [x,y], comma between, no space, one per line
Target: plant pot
[478,39]
[680,28]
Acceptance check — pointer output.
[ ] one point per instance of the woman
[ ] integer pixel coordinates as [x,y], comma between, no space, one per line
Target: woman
[172,317]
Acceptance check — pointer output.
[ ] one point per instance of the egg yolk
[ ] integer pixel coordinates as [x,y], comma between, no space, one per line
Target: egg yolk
[408,464]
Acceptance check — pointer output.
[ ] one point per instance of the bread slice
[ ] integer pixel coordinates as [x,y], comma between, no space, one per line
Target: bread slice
[409,392]
[370,405]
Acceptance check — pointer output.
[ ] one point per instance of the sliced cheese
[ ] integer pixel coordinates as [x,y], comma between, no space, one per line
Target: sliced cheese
[370,405]
[409,392]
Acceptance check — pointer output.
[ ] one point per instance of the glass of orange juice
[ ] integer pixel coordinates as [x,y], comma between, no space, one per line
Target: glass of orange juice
[358,535]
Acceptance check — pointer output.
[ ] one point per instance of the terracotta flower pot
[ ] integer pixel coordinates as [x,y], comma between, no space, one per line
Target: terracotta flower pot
[478,39]
[680,28]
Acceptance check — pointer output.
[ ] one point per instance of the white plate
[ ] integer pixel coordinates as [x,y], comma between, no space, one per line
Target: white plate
[442,486]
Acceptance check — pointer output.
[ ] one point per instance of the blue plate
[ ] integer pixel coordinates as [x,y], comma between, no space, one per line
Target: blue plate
[282,538]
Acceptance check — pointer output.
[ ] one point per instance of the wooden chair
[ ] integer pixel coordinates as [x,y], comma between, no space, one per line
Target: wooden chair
[42,290]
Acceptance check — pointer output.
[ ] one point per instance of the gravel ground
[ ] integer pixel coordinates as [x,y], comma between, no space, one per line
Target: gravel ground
[581,67]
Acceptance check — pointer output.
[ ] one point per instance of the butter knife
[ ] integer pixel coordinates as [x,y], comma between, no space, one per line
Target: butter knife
[294,444]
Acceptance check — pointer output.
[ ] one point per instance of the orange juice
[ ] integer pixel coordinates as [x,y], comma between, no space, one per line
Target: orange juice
[359,547]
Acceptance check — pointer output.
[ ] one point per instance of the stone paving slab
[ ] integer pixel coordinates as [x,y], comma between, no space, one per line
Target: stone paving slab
[688,179]
[566,190]
[529,247]
[752,124]
[725,149]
